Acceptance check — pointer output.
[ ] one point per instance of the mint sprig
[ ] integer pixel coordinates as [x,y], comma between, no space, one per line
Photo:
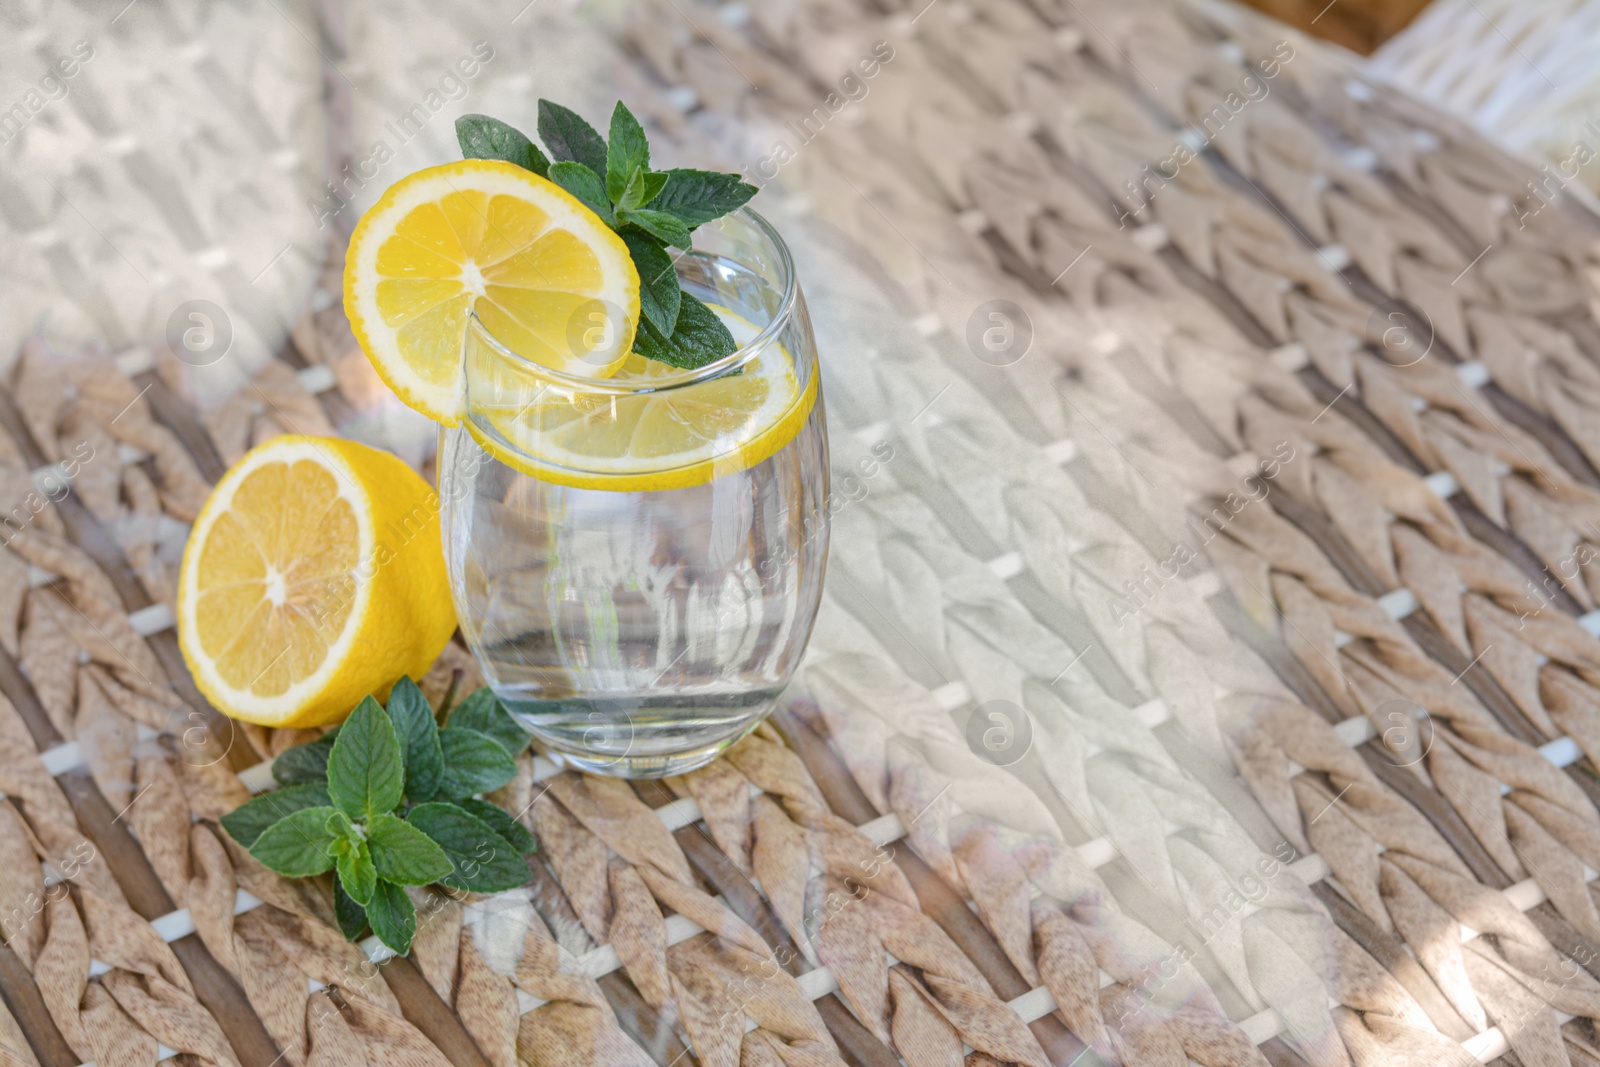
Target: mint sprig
[651,210]
[386,800]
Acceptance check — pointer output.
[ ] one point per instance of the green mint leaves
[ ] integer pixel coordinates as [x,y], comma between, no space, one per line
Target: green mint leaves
[419,740]
[696,341]
[406,855]
[386,800]
[699,196]
[473,763]
[366,773]
[627,157]
[300,845]
[570,138]
[483,712]
[587,186]
[651,210]
[660,298]
[486,138]
[478,857]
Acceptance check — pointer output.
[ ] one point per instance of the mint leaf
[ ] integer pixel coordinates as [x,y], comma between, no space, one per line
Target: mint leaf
[669,228]
[392,916]
[698,338]
[570,138]
[366,773]
[482,137]
[483,712]
[305,763]
[353,859]
[627,153]
[252,818]
[419,739]
[297,846]
[340,828]
[500,820]
[404,854]
[586,185]
[473,763]
[642,188]
[484,861]
[352,917]
[659,294]
[698,196]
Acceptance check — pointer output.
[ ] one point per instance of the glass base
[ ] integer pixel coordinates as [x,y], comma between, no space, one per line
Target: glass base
[651,735]
[663,765]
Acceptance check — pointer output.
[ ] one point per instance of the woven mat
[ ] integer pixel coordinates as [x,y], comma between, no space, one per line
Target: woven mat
[1206,672]
[155,154]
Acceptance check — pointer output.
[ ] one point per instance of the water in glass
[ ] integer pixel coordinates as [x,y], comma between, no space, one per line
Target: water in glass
[639,629]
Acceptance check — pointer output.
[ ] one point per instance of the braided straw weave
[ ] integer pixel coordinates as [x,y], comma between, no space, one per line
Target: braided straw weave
[1424,544]
[1295,625]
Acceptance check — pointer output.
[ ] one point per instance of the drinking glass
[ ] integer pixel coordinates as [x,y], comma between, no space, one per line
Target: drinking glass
[640,623]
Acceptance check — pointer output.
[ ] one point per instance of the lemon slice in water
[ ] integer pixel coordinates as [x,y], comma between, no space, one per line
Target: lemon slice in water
[639,441]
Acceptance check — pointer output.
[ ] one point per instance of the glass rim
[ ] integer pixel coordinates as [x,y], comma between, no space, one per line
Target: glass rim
[736,359]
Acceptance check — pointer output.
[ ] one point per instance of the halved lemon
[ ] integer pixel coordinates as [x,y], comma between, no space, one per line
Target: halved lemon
[548,278]
[313,576]
[642,441]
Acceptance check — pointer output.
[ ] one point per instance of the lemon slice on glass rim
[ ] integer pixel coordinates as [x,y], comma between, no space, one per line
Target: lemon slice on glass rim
[485,237]
[628,434]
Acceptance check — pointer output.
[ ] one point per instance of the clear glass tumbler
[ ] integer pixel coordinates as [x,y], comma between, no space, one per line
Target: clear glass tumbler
[637,612]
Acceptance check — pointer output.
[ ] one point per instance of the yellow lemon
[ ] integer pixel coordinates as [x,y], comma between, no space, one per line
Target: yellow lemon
[640,440]
[313,576]
[546,275]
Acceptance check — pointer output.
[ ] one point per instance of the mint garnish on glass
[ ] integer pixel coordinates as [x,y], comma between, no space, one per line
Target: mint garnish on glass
[650,210]
[386,800]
